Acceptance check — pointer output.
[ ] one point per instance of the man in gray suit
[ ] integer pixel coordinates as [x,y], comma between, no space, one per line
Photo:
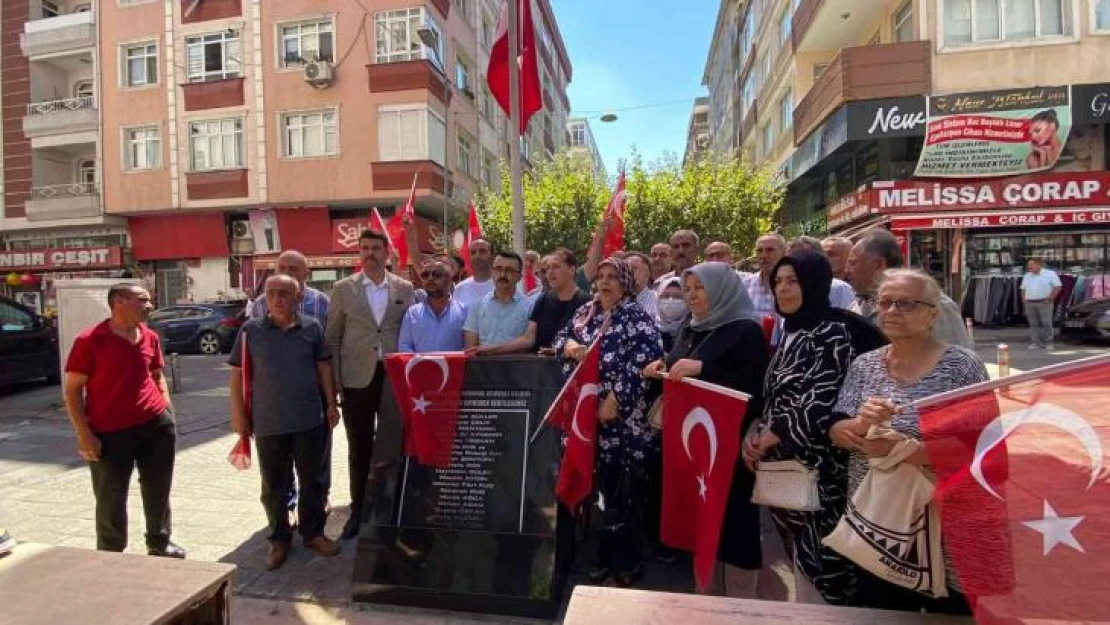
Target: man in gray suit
[364,322]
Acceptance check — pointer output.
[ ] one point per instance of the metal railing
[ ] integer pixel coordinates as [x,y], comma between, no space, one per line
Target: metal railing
[65,190]
[58,106]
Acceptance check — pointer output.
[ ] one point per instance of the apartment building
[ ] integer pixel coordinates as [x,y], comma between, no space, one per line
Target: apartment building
[841,94]
[721,77]
[197,138]
[581,144]
[698,140]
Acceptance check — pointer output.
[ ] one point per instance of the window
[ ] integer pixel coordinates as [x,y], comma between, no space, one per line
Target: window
[462,74]
[410,133]
[902,28]
[485,32]
[747,94]
[83,89]
[86,172]
[578,135]
[485,103]
[785,28]
[747,37]
[143,148]
[312,133]
[819,70]
[1102,14]
[489,170]
[215,56]
[140,65]
[50,9]
[768,138]
[463,7]
[786,111]
[397,38]
[466,154]
[981,21]
[14,319]
[307,41]
[216,144]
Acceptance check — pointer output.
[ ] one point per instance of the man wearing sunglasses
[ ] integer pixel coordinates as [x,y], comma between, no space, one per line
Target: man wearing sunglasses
[436,324]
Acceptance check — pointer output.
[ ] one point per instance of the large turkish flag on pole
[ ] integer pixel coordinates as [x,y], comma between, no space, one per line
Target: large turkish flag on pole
[701,445]
[614,238]
[428,392]
[497,73]
[1023,492]
[575,412]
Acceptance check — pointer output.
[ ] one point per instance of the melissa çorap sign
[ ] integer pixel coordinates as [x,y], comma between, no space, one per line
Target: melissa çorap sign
[1058,190]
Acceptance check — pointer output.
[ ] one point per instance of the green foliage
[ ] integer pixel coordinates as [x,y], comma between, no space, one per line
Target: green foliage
[563,202]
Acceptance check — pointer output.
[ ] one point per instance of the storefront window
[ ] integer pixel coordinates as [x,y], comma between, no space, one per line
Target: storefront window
[1065,252]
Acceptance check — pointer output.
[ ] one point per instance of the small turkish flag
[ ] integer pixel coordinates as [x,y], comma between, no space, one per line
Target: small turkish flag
[701,444]
[428,391]
[473,233]
[614,238]
[575,412]
[240,455]
[1023,492]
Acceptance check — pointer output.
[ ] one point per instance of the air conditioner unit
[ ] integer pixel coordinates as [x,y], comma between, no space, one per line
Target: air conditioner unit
[318,73]
[242,240]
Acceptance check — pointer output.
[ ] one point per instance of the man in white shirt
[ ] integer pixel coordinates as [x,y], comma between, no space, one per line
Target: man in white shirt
[641,271]
[473,289]
[841,294]
[1039,288]
[661,262]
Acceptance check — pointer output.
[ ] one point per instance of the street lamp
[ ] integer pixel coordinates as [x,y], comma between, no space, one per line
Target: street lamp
[608,117]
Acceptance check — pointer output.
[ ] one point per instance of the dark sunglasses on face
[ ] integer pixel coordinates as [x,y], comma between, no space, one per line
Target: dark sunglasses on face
[903,305]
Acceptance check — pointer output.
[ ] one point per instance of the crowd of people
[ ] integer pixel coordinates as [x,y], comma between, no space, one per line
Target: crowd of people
[828,337]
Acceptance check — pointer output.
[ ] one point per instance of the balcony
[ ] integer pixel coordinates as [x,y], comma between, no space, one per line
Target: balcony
[409,75]
[864,73]
[64,201]
[58,118]
[57,35]
[833,24]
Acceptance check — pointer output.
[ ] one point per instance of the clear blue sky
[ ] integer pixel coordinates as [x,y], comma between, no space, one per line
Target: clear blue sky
[634,52]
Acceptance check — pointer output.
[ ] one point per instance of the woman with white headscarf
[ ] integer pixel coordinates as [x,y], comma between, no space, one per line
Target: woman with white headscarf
[722,343]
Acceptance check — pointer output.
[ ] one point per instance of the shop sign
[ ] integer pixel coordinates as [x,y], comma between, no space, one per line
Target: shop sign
[821,143]
[61,258]
[345,233]
[995,133]
[881,119]
[1073,189]
[1091,104]
[849,209]
[1003,220]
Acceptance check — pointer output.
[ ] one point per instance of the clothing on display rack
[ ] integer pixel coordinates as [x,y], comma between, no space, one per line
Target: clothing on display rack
[996,299]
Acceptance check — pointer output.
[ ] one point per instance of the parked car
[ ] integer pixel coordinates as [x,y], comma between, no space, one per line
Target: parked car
[198,328]
[1091,319]
[28,345]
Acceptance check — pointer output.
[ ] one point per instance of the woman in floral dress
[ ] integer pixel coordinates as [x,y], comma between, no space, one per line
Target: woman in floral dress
[626,442]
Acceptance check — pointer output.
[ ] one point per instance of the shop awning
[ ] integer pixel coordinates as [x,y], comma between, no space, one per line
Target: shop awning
[307,230]
[174,237]
[1001,219]
[860,228]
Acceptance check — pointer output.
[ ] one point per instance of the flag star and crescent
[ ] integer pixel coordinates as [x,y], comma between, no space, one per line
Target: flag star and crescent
[575,412]
[1022,490]
[428,392]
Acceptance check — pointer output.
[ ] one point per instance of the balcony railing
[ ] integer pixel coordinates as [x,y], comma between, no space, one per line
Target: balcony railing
[57,106]
[75,189]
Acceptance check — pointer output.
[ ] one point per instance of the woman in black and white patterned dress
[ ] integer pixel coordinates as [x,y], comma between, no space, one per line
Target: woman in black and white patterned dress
[800,390]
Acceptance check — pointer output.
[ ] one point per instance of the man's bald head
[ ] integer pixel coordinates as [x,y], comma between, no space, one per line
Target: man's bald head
[718,252]
[295,265]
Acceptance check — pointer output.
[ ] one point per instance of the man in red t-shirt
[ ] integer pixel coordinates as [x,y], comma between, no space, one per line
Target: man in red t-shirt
[119,404]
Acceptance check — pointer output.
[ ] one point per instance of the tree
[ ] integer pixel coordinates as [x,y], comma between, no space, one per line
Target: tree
[563,201]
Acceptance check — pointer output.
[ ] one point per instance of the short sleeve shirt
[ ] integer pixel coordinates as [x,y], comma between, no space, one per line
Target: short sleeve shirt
[1038,286]
[551,314]
[495,322]
[285,393]
[120,392]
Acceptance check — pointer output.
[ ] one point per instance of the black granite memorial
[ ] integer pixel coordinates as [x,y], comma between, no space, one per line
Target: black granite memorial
[480,534]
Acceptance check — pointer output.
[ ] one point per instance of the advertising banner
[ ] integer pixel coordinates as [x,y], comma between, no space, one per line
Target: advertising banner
[995,133]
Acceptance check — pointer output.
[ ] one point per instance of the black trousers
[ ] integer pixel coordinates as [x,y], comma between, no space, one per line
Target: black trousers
[150,447]
[360,411]
[306,453]
[291,497]
[620,544]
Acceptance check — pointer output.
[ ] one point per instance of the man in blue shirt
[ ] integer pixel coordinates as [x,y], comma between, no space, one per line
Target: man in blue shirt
[1039,287]
[500,316]
[435,325]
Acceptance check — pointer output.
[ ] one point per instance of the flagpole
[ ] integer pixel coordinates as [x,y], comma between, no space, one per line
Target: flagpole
[514,127]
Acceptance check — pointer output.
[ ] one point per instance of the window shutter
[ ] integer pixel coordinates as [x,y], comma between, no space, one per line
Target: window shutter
[411,148]
[389,136]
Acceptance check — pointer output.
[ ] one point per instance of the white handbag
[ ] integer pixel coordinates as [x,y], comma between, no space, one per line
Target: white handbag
[786,484]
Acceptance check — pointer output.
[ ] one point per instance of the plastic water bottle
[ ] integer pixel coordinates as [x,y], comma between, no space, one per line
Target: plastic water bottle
[1003,360]
[970,328]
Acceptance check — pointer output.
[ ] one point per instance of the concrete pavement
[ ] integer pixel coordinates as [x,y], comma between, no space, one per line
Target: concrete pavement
[46,496]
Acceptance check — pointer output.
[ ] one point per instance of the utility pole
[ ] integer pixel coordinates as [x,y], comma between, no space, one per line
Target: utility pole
[514,123]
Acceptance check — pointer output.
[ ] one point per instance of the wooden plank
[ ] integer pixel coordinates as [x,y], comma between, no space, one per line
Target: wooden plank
[590,605]
[46,585]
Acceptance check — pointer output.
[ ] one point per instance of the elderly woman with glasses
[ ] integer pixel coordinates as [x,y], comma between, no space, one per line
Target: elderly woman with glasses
[626,442]
[880,389]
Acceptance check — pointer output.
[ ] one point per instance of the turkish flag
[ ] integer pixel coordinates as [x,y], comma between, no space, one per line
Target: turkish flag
[497,73]
[1023,492]
[428,391]
[575,412]
[614,238]
[396,229]
[473,232]
[701,445]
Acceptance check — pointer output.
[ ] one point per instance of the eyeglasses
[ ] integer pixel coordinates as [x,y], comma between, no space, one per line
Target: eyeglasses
[430,275]
[903,305]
